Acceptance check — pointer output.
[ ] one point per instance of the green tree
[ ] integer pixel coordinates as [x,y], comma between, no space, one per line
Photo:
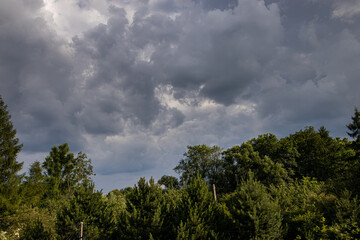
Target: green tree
[304,206]
[254,213]
[24,219]
[172,212]
[200,159]
[316,154]
[35,231]
[63,171]
[88,206]
[33,188]
[347,218]
[9,166]
[9,148]
[354,126]
[170,182]
[197,220]
[238,160]
[143,215]
[266,145]
[279,151]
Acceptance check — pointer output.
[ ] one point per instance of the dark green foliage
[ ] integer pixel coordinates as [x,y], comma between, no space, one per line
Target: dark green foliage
[9,148]
[199,159]
[354,126]
[253,212]
[172,213]
[317,154]
[35,231]
[197,221]
[87,206]
[279,151]
[347,218]
[24,218]
[266,145]
[63,171]
[143,215]
[300,207]
[238,160]
[9,166]
[33,188]
[169,182]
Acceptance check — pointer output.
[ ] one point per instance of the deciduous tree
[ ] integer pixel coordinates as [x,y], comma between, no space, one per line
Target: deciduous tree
[200,159]
[64,171]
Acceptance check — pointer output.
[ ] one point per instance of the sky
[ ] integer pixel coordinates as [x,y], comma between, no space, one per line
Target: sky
[132,83]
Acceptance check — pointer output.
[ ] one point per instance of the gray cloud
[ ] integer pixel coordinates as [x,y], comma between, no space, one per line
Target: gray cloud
[36,77]
[133,82]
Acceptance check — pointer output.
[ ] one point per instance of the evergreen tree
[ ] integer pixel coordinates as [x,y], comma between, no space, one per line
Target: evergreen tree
[255,214]
[9,166]
[347,218]
[87,206]
[143,216]
[35,231]
[9,147]
[197,221]
[354,126]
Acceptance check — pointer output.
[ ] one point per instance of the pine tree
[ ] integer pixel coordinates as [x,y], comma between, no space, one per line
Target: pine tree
[354,126]
[9,147]
[254,212]
[197,205]
[9,167]
[87,206]
[143,214]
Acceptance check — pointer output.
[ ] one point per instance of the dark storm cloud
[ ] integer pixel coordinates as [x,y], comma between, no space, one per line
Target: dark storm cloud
[148,76]
[215,4]
[220,53]
[121,87]
[313,78]
[35,73]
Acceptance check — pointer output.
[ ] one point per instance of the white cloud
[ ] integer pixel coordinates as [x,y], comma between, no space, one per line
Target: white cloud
[346,9]
[70,18]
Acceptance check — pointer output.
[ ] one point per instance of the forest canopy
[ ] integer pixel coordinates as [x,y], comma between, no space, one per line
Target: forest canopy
[302,186]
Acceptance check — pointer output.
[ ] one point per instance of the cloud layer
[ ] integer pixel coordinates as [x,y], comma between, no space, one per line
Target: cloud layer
[131,83]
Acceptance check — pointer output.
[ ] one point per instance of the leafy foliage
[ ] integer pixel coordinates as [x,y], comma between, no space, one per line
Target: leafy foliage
[169,182]
[254,212]
[199,159]
[35,231]
[63,171]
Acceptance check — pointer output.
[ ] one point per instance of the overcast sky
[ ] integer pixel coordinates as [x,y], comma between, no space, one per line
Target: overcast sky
[133,82]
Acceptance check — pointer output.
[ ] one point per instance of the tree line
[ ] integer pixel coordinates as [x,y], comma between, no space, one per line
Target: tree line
[302,186]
